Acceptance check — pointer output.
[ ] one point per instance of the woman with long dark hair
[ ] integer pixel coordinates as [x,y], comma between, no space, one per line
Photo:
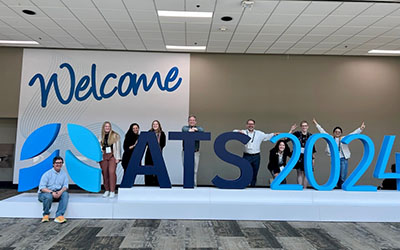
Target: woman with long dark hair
[130,142]
[152,180]
[277,158]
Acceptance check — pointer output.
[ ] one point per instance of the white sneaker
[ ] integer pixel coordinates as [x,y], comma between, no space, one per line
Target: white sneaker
[112,194]
[106,193]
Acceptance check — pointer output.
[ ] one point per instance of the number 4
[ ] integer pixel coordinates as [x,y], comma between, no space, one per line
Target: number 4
[383,159]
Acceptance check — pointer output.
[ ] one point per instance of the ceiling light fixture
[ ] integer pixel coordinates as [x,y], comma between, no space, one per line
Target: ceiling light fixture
[175,47]
[247,4]
[383,51]
[167,13]
[18,42]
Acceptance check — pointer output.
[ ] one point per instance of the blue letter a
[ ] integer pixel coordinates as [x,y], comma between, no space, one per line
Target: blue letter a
[134,167]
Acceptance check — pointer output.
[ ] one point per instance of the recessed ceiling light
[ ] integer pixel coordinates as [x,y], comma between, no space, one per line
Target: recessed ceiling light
[226,18]
[18,42]
[175,47]
[29,12]
[383,51]
[223,28]
[168,13]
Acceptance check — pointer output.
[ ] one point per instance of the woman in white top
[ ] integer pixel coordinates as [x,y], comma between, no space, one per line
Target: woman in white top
[344,150]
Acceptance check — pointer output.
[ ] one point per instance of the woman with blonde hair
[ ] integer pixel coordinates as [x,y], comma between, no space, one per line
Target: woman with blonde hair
[111,147]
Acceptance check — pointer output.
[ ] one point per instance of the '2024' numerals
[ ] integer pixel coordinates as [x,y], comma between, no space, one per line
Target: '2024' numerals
[349,184]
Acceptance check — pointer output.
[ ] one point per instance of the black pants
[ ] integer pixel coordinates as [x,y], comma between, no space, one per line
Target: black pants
[151,180]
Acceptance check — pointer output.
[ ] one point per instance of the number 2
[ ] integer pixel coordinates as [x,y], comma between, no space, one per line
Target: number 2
[369,151]
[276,184]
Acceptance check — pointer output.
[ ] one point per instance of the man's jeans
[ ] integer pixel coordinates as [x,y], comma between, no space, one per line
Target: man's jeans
[343,171]
[254,160]
[47,199]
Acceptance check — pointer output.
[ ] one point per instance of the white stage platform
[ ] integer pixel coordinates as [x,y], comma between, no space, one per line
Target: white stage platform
[213,203]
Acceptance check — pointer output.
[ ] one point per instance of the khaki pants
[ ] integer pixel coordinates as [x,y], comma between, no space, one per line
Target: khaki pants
[196,164]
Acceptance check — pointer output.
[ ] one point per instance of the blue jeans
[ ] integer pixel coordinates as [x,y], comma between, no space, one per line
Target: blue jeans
[47,199]
[254,161]
[343,171]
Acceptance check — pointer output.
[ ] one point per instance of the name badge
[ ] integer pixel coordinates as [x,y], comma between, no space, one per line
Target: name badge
[302,150]
[281,168]
[108,150]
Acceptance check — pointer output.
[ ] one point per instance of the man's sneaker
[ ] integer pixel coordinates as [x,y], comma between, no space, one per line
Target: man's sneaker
[112,194]
[106,194]
[45,218]
[60,219]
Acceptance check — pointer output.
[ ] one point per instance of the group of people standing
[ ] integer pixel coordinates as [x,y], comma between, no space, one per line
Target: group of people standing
[110,144]
[279,154]
[281,151]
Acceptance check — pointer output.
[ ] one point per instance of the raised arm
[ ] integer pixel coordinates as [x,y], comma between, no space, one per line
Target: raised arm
[320,129]
[359,130]
[292,128]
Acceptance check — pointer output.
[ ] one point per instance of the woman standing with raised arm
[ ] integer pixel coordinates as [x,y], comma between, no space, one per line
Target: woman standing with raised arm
[152,180]
[130,142]
[277,158]
[344,150]
[111,147]
[303,136]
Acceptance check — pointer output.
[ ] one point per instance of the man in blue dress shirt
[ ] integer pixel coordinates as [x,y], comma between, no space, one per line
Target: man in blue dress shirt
[53,187]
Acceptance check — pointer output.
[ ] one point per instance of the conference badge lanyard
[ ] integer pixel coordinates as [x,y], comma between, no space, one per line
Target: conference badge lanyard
[249,145]
[108,150]
[303,142]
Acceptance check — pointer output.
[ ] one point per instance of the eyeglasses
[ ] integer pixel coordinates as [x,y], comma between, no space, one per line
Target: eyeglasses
[58,163]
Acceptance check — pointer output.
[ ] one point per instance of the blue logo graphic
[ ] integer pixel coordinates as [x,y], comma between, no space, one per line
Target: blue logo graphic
[127,83]
[37,142]
[85,176]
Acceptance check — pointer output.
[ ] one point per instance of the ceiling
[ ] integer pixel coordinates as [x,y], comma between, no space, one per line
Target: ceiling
[269,27]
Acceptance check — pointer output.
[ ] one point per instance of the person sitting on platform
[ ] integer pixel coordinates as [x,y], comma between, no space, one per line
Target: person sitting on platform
[53,187]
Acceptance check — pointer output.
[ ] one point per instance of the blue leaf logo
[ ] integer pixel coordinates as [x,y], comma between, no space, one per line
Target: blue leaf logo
[40,140]
[36,143]
[85,176]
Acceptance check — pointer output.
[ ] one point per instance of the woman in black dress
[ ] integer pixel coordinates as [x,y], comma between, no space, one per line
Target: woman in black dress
[303,135]
[277,158]
[152,180]
[130,141]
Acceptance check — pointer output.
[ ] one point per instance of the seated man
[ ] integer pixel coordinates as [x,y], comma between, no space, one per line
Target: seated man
[53,187]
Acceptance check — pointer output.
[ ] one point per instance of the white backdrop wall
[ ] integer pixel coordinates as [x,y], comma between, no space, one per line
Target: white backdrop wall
[171,108]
